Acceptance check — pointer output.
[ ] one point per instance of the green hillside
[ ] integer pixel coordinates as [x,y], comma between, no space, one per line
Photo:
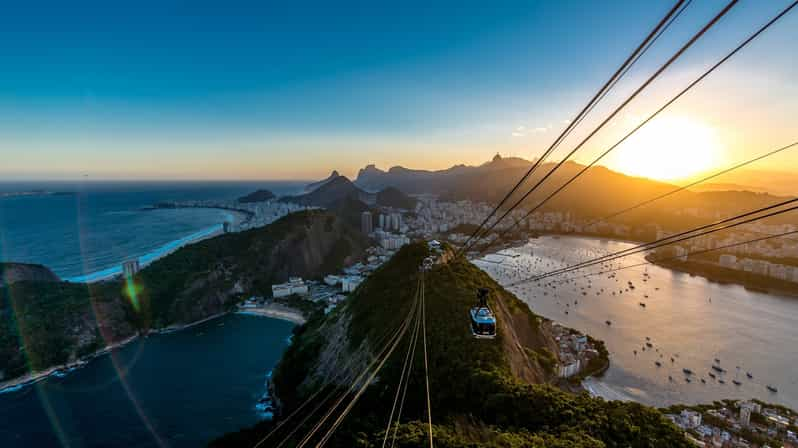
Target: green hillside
[478,396]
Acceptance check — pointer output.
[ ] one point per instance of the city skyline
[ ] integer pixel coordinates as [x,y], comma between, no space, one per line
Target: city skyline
[178,92]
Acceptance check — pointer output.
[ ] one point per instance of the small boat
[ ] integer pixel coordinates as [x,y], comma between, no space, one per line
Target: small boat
[659,364]
[670,378]
[648,338]
[642,304]
[771,388]
[748,374]
[608,322]
[718,369]
[673,360]
[712,375]
[688,380]
[717,360]
[721,382]
[736,383]
[687,371]
[703,381]
[649,345]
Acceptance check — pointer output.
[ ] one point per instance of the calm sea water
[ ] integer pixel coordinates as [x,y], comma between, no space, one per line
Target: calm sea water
[688,318]
[175,390]
[103,224]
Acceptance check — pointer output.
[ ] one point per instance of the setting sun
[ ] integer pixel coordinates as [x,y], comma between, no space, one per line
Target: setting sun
[670,148]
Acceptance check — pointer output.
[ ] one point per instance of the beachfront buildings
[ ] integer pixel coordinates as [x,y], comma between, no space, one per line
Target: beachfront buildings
[131,267]
[295,285]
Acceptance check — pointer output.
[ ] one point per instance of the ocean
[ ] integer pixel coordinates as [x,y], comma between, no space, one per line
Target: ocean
[175,390]
[95,226]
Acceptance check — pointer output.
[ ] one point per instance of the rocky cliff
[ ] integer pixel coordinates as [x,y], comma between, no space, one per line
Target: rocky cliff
[20,272]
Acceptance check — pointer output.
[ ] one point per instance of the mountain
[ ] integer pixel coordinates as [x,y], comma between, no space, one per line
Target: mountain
[330,193]
[486,393]
[392,197]
[256,196]
[779,183]
[57,322]
[596,193]
[316,185]
[20,272]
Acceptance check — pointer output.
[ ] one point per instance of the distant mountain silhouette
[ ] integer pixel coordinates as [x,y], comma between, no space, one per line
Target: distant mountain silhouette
[316,185]
[257,196]
[597,193]
[393,197]
[331,192]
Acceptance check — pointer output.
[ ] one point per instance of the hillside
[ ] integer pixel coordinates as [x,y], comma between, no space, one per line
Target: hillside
[331,192]
[393,197]
[491,393]
[598,192]
[315,185]
[256,196]
[55,322]
[20,272]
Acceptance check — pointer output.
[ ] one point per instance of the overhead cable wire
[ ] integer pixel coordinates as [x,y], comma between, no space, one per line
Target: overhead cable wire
[612,115]
[578,118]
[728,56]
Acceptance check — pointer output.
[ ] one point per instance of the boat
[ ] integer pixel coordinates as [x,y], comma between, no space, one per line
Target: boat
[748,374]
[703,381]
[659,364]
[687,380]
[642,304]
[721,382]
[718,369]
[608,322]
[649,345]
[771,388]
[687,371]
[670,378]
[483,322]
[712,375]
[717,360]
[736,383]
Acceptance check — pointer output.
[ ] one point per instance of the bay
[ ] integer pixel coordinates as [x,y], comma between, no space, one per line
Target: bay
[687,318]
[172,390]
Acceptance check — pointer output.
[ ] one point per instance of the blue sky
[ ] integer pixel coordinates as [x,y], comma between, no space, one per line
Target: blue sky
[270,90]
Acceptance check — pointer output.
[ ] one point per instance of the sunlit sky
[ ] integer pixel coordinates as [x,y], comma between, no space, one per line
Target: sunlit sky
[261,90]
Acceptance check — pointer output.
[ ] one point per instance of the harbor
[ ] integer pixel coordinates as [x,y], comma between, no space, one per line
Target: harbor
[687,323]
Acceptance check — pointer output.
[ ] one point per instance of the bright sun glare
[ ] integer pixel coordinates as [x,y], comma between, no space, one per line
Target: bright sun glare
[670,148]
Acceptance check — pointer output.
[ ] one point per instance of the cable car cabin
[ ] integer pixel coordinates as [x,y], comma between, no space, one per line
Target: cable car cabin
[483,322]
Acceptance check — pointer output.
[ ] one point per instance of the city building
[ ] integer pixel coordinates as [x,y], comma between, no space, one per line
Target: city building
[131,267]
[351,282]
[728,261]
[365,223]
[295,285]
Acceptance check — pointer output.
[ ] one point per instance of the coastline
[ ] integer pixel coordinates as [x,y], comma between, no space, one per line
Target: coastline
[32,378]
[724,276]
[276,311]
[710,272]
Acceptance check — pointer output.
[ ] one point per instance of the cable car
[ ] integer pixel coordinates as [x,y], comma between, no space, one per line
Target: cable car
[483,322]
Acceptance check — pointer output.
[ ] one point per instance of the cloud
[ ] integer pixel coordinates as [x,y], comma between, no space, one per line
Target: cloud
[523,131]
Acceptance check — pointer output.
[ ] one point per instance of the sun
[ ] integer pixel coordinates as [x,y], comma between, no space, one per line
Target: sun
[670,148]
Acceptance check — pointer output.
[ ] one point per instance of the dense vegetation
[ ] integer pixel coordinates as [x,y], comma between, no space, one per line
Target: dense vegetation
[43,324]
[476,399]
[46,324]
[256,196]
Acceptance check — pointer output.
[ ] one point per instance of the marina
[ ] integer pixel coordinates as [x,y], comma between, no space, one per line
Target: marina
[694,324]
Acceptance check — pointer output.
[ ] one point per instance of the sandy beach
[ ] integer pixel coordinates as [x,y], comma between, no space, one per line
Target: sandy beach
[276,311]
